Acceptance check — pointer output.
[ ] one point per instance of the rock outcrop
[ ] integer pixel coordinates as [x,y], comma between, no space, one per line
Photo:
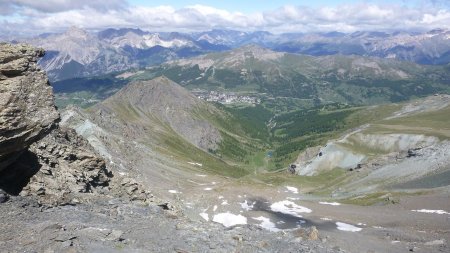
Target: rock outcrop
[69,166]
[27,110]
[37,157]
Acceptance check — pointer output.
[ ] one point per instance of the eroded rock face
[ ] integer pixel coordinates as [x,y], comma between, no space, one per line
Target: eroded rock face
[27,110]
[37,157]
[69,167]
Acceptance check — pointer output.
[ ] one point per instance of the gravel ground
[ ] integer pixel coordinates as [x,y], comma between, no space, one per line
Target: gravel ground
[116,226]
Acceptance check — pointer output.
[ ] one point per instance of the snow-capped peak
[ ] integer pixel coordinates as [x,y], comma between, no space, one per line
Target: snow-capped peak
[152,40]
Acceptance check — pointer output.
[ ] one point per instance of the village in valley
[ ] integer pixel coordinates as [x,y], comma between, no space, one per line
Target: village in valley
[226,97]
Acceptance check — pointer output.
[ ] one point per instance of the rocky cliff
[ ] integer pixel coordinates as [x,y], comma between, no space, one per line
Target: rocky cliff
[27,111]
[37,157]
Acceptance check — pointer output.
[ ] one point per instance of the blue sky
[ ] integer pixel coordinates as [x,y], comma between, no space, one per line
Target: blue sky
[33,16]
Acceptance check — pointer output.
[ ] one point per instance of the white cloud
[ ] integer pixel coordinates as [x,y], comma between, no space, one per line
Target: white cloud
[58,15]
[65,5]
[440,17]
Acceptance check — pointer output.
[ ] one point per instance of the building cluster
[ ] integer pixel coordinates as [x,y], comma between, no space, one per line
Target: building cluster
[227,98]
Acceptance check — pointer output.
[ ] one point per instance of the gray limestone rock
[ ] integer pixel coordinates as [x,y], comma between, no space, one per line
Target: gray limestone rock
[37,157]
[27,111]
[69,167]
[3,196]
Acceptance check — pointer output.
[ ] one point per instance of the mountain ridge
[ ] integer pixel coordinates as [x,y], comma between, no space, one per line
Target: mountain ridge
[119,49]
[172,104]
[339,78]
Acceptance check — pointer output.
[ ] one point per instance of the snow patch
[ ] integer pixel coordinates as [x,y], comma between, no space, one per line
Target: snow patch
[205,216]
[196,164]
[289,207]
[347,227]
[229,219]
[292,189]
[214,208]
[330,203]
[431,211]
[266,224]
[174,191]
[224,202]
[435,242]
[326,219]
[245,205]
[152,40]
[199,175]
[207,189]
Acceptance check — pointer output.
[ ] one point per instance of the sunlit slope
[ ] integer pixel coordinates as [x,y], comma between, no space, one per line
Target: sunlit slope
[406,150]
[158,120]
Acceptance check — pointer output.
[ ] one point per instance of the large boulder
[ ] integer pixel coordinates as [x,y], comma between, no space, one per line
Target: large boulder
[27,110]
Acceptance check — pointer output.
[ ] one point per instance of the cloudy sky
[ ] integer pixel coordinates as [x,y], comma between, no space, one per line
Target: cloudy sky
[38,16]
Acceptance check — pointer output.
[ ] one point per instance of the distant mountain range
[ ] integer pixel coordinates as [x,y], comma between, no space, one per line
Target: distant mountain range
[338,78]
[78,53]
[266,74]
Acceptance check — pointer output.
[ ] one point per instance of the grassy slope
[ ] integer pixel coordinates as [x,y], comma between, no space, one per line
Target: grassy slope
[248,135]
[305,128]
[436,123]
[332,78]
[174,146]
[244,134]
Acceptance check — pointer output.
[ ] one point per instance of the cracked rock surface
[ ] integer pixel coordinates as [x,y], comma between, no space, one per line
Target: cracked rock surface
[27,110]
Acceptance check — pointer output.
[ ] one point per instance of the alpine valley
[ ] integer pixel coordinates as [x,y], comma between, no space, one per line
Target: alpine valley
[225,141]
